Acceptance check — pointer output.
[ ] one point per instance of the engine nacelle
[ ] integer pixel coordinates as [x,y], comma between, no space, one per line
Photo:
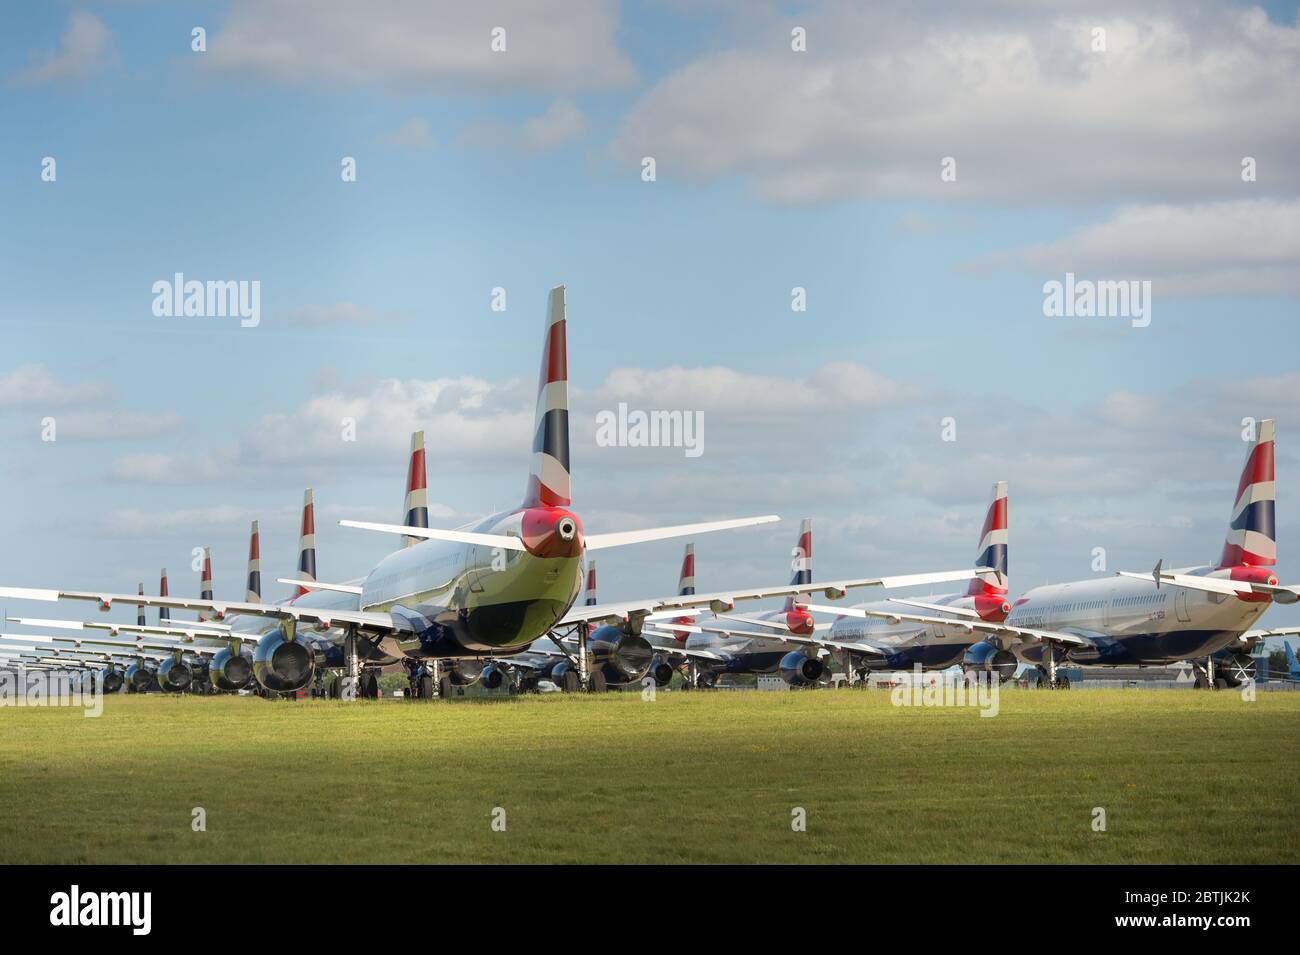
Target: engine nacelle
[174,676]
[140,678]
[110,681]
[799,669]
[283,665]
[623,657]
[229,671]
[492,677]
[985,657]
[661,671]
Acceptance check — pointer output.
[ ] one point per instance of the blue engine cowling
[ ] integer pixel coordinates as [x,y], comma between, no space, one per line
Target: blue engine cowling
[284,666]
[799,669]
[230,671]
[174,675]
[985,657]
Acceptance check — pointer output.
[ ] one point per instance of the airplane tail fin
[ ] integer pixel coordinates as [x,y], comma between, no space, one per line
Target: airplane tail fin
[139,609]
[254,594]
[686,582]
[992,550]
[164,614]
[591,584]
[1292,664]
[801,561]
[417,491]
[205,581]
[307,543]
[548,479]
[1252,540]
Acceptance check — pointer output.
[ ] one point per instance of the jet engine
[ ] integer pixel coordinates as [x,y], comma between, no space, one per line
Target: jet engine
[283,665]
[623,657]
[110,681]
[174,675]
[492,677]
[229,670]
[799,669]
[661,670]
[140,678]
[985,657]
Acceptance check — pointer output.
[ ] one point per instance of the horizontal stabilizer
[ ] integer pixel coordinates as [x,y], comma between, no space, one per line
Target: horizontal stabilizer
[619,538]
[317,585]
[433,533]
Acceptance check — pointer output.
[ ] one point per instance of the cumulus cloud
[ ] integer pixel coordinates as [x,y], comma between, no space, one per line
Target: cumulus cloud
[1240,247]
[34,385]
[84,48]
[562,122]
[425,45]
[1014,92]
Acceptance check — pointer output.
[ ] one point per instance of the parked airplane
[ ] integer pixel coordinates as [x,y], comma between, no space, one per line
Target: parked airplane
[1200,614]
[477,592]
[884,636]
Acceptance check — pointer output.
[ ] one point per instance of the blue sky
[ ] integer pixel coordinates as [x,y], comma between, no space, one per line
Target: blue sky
[775,169]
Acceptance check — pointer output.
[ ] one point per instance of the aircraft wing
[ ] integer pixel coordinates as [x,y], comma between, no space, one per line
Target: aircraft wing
[726,600]
[380,622]
[683,651]
[970,626]
[182,631]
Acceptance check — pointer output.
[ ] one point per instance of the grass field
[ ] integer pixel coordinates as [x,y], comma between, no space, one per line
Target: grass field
[702,777]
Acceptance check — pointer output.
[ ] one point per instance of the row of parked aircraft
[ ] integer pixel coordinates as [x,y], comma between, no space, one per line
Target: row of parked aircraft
[496,602]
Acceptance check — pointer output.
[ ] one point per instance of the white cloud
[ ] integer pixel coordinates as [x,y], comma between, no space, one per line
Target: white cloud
[562,122]
[84,48]
[425,45]
[115,425]
[1241,247]
[34,385]
[415,134]
[1012,91]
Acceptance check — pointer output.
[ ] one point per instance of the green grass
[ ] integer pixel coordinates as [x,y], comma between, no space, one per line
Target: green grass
[1184,777]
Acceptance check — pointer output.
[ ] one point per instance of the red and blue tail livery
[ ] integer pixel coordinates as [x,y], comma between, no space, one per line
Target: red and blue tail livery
[254,590]
[548,480]
[1252,539]
[992,552]
[686,581]
[417,492]
[307,543]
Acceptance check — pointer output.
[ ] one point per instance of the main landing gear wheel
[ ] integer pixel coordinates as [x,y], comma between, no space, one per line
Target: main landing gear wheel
[570,682]
[425,687]
[597,682]
[445,688]
[369,686]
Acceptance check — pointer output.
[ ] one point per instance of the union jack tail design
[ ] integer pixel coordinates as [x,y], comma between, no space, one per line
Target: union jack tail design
[307,543]
[992,550]
[591,583]
[1252,540]
[801,560]
[254,595]
[164,613]
[139,609]
[205,581]
[548,480]
[686,582]
[417,492]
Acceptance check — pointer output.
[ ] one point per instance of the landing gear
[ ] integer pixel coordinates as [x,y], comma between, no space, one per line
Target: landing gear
[369,685]
[571,682]
[424,687]
[596,682]
[1206,678]
[445,688]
